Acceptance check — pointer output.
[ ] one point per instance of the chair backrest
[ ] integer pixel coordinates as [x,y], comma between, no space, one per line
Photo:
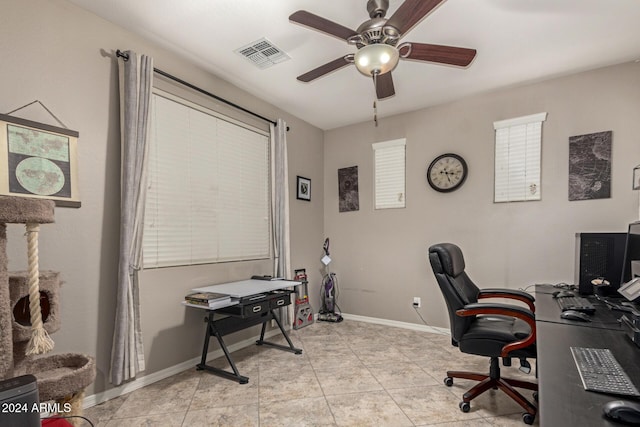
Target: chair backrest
[457,288]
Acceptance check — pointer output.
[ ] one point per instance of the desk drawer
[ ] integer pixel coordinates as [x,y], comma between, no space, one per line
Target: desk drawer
[247,310]
[248,307]
[280,299]
[258,304]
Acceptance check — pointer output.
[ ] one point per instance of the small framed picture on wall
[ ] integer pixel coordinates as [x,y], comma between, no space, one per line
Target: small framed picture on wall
[304,188]
[636,178]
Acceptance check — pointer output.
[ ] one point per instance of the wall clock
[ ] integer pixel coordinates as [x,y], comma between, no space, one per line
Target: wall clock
[447,172]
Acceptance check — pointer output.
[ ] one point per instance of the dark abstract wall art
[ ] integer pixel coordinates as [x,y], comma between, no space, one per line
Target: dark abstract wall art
[590,166]
[348,197]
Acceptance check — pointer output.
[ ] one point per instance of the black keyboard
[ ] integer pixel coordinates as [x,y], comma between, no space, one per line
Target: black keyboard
[601,372]
[576,303]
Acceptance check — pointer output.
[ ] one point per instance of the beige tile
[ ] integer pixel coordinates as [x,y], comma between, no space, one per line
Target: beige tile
[314,343]
[172,394]
[474,423]
[351,327]
[214,391]
[270,357]
[431,405]
[244,359]
[230,416]
[165,420]
[367,409]
[374,355]
[331,356]
[401,375]
[426,350]
[105,410]
[310,412]
[514,420]
[276,385]
[347,379]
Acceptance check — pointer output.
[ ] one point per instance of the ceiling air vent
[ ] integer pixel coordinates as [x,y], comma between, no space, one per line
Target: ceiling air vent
[262,53]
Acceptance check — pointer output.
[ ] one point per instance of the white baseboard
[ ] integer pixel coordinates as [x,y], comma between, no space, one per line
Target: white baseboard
[96,399]
[397,324]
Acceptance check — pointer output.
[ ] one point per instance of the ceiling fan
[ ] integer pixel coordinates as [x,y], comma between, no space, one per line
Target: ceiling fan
[377,42]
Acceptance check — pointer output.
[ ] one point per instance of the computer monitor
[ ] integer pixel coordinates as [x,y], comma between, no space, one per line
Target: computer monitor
[599,256]
[631,263]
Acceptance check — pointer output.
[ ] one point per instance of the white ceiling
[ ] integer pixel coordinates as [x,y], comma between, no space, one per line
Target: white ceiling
[517,41]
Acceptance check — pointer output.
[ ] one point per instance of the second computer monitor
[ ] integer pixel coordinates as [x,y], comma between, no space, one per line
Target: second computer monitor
[631,263]
[599,256]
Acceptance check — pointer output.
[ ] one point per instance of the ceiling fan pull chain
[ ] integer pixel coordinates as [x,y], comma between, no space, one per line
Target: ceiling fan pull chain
[375,113]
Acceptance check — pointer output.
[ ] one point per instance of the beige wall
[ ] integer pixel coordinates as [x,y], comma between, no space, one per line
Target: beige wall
[63,56]
[380,257]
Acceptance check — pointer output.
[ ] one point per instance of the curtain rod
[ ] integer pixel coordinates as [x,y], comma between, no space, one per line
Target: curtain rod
[125,56]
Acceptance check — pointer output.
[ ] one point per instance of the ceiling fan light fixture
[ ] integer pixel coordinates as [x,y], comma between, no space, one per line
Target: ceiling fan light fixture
[376,59]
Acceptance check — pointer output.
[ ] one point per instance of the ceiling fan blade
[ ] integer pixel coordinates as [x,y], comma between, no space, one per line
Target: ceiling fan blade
[321,24]
[336,64]
[450,55]
[384,86]
[410,13]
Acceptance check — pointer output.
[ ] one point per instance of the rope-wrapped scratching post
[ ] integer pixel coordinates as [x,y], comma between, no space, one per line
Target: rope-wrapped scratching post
[40,341]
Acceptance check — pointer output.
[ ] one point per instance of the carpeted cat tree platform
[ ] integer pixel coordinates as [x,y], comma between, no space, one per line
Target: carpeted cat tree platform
[30,311]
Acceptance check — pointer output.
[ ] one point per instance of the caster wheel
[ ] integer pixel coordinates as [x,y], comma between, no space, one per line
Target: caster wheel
[448,381]
[528,418]
[535,396]
[466,406]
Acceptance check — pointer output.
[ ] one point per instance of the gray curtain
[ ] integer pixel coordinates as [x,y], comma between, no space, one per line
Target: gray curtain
[280,208]
[136,78]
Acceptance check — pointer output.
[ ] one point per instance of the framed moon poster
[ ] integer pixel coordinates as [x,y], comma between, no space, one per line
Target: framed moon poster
[39,161]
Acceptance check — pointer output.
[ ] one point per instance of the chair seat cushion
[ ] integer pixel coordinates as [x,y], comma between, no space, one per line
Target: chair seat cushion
[487,336]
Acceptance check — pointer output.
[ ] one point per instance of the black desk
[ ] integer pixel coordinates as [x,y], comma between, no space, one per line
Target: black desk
[562,399]
[252,303]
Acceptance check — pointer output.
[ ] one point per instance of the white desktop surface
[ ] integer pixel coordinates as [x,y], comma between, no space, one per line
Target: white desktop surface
[245,288]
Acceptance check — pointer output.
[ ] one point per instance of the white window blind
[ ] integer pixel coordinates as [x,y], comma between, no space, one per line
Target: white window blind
[518,158]
[208,191]
[389,171]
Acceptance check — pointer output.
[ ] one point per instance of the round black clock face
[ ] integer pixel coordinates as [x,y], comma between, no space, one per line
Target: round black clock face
[447,172]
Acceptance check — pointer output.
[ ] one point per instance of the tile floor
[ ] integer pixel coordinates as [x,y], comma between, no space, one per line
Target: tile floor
[350,374]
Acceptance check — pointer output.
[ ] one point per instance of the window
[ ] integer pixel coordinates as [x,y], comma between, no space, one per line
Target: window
[389,166]
[517,158]
[208,190]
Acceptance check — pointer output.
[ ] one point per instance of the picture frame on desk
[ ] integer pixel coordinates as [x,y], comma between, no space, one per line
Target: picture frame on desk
[303,186]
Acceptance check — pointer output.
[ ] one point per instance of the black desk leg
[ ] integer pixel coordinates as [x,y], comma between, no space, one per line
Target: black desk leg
[212,330]
[261,341]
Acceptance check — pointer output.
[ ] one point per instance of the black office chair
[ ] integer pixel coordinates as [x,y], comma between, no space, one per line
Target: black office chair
[494,330]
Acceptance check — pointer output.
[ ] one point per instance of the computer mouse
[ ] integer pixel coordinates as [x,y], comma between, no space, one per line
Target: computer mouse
[562,294]
[623,411]
[575,315]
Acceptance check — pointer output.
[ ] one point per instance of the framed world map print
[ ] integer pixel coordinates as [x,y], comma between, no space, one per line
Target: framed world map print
[38,160]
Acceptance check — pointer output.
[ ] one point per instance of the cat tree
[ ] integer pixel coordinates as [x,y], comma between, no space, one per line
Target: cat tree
[29,312]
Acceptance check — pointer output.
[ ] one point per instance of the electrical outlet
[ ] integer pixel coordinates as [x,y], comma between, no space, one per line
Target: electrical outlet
[417,302]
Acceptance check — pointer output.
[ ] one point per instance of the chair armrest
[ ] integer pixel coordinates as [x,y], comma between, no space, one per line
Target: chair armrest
[516,294]
[522,313]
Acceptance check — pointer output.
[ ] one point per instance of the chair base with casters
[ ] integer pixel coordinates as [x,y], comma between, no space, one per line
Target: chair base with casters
[492,381]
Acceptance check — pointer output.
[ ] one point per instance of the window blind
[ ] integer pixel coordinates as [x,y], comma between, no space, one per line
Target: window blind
[518,145]
[208,194]
[389,170]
